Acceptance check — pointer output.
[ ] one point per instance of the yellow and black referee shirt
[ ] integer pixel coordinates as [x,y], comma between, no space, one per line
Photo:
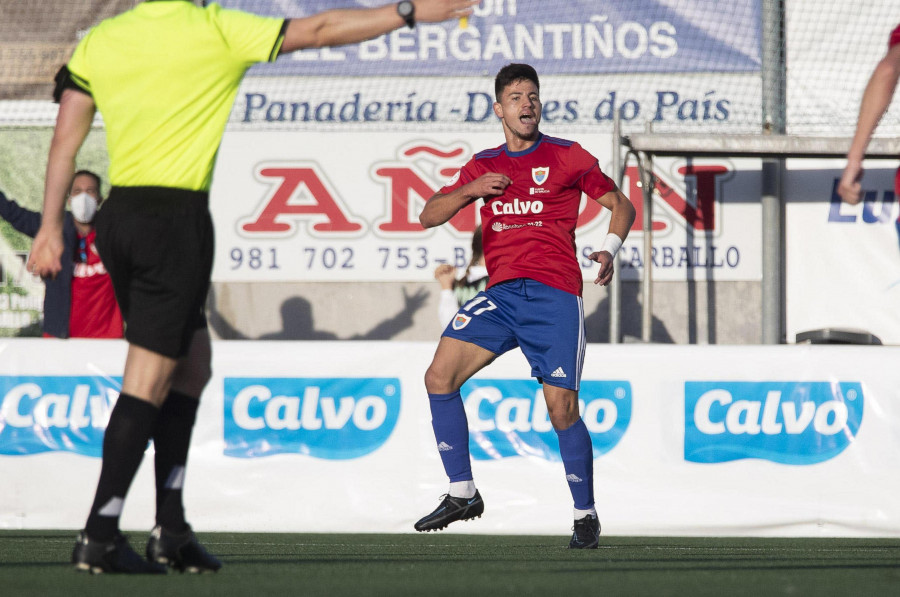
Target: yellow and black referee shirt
[164,77]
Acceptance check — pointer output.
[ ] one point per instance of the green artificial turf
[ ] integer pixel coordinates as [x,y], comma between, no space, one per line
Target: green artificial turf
[36,563]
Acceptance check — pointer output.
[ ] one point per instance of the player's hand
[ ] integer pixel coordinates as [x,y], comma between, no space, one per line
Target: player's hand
[849,187]
[445,274]
[46,253]
[607,266]
[489,185]
[435,11]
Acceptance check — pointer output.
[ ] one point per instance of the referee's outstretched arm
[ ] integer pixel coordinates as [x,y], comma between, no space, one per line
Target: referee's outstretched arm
[346,26]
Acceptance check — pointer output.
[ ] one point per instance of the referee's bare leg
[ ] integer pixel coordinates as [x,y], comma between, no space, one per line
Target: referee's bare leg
[150,376]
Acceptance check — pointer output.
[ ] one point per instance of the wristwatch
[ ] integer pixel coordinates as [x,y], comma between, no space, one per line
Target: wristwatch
[407,12]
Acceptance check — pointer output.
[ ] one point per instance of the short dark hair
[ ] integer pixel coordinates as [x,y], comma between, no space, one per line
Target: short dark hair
[511,73]
[95,176]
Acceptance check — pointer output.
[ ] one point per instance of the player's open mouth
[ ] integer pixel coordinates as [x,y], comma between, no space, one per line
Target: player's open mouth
[527,118]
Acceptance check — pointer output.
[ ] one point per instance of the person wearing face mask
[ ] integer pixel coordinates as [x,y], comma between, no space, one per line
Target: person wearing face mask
[79,302]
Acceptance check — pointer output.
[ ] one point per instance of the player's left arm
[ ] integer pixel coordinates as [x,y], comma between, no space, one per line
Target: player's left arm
[620,221]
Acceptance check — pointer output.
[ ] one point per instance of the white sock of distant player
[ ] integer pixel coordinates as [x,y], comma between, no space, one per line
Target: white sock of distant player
[462,489]
[579,514]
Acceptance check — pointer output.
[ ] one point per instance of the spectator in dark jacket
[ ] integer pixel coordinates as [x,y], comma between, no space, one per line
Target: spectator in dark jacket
[79,302]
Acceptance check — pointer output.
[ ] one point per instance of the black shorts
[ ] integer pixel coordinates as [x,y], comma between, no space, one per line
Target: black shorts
[157,245]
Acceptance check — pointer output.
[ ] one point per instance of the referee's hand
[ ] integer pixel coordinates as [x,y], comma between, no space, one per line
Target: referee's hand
[46,252]
[435,11]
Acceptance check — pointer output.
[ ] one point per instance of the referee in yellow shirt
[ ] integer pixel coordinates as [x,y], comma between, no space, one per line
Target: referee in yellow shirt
[164,76]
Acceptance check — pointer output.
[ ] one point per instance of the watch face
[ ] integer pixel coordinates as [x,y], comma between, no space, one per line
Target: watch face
[405,9]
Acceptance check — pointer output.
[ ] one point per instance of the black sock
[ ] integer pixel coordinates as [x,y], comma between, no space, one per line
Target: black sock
[172,438]
[130,424]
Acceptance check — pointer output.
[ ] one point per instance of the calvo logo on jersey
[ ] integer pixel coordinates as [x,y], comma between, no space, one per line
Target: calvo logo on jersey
[55,413]
[540,175]
[784,422]
[508,417]
[331,418]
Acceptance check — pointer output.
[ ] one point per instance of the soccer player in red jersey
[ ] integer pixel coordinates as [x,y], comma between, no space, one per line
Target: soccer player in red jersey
[875,101]
[531,187]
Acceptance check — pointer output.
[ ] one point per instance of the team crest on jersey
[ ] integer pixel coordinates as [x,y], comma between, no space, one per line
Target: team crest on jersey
[540,175]
[460,321]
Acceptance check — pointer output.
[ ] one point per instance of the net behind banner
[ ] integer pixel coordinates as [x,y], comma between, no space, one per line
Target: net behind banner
[691,66]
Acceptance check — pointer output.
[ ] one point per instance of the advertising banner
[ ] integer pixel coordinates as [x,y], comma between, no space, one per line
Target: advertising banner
[299,436]
[586,37]
[677,66]
[345,206]
[843,261]
[357,416]
[669,101]
[787,422]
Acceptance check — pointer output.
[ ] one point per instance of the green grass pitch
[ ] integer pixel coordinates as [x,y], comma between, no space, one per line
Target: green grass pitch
[36,563]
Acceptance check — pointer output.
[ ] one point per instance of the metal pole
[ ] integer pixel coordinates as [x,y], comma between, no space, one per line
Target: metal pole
[614,289]
[772,251]
[774,111]
[774,122]
[647,281]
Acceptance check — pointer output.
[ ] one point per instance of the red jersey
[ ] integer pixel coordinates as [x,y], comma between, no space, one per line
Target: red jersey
[529,230]
[94,312]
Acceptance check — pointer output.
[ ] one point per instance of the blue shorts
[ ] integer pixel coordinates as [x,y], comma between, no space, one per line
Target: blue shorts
[546,323]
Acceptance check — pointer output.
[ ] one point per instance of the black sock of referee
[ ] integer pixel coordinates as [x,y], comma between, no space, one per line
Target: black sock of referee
[130,424]
[172,438]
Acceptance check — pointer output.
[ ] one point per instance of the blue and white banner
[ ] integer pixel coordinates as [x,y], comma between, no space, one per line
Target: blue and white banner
[298,437]
[55,413]
[843,261]
[508,417]
[335,418]
[786,422]
[588,37]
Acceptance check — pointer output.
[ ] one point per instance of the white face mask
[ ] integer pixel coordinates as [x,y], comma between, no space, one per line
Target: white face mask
[84,207]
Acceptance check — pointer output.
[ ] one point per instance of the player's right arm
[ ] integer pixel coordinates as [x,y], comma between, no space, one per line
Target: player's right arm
[442,207]
[876,99]
[346,26]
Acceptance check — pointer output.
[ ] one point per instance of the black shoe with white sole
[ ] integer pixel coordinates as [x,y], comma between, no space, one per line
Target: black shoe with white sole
[586,533]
